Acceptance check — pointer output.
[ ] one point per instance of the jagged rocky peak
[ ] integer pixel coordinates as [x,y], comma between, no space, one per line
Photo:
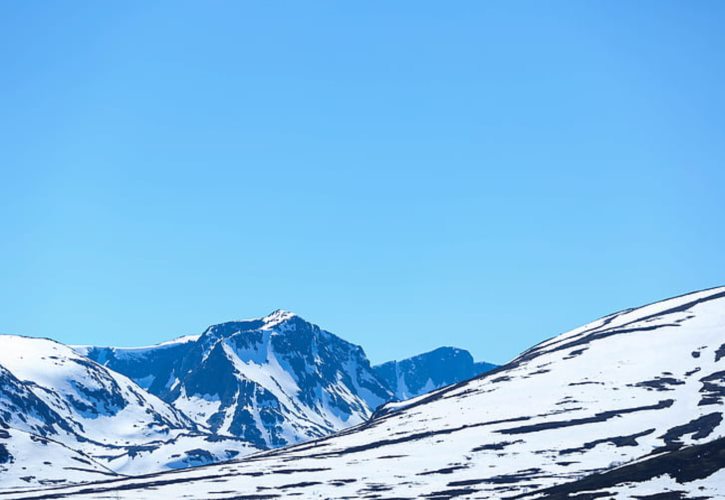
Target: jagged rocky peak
[281,333]
[272,381]
[279,319]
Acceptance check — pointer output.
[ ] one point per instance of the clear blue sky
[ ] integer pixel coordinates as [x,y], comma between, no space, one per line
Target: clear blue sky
[404,174]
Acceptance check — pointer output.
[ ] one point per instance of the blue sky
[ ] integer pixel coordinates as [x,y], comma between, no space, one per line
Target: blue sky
[405,174]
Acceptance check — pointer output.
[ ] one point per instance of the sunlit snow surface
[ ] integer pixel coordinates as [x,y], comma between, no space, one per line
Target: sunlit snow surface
[643,381]
[24,456]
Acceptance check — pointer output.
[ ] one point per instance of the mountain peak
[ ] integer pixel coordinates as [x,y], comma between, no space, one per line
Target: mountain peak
[277,317]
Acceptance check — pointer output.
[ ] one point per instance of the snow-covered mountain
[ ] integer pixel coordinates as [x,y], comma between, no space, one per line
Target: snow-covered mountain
[237,388]
[629,405]
[271,381]
[429,371]
[51,397]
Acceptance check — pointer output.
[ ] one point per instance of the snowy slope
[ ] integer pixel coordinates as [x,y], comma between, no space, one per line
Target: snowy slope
[429,371]
[26,456]
[28,459]
[86,395]
[270,381]
[630,387]
[695,471]
[53,393]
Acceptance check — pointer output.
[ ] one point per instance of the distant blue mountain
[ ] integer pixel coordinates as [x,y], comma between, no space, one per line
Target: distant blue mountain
[271,381]
[429,371]
[279,379]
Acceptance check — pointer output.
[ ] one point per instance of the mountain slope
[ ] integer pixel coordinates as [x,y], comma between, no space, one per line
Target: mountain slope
[28,459]
[621,389]
[699,467]
[429,371]
[85,394]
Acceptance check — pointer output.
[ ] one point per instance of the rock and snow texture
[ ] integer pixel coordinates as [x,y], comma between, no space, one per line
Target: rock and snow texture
[55,401]
[628,393]
[694,471]
[429,371]
[271,381]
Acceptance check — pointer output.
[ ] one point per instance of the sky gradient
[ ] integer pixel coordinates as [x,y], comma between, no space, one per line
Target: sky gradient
[406,175]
